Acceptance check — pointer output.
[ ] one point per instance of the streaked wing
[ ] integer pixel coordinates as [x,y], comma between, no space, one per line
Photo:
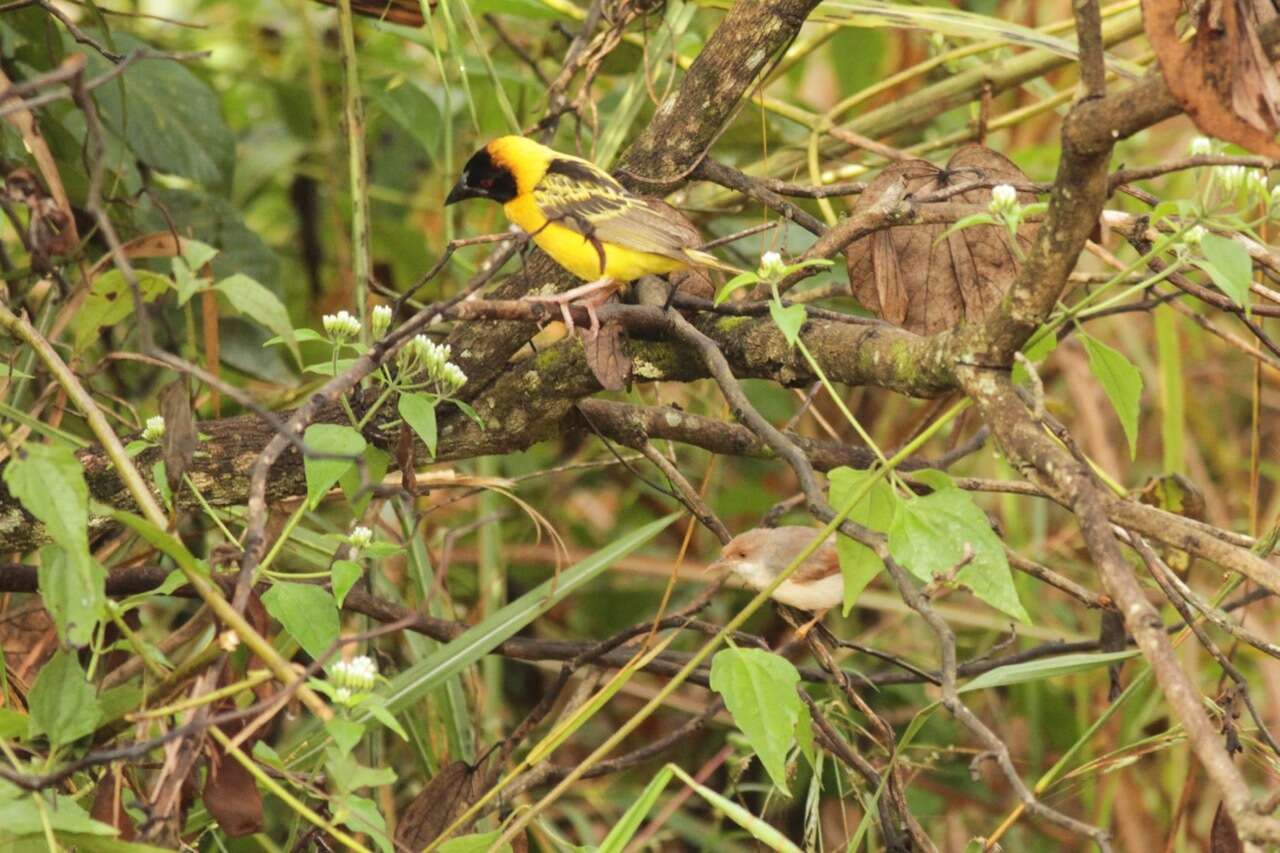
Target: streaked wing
[577,195]
[822,563]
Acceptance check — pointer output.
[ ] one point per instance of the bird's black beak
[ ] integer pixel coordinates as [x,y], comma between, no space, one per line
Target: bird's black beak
[461,191]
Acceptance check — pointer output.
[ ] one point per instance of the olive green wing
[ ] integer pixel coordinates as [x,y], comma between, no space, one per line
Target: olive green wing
[586,199]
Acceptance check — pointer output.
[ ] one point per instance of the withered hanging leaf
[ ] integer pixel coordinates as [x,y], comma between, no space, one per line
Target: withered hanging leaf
[905,275]
[449,793]
[108,805]
[1223,837]
[1222,76]
[232,797]
[179,446]
[607,355]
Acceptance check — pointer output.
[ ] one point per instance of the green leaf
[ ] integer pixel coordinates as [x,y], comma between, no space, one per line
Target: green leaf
[967,222]
[345,733]
[73,589]
[419,412]
[62,703]
[260,305]
[415,111]
[378,710]
[759,689]
[21,817]
[733,285]
[761,830]
[376,463]
[215,221]
[343,576]
[303,335]
[307,612]
[480,842]
[1228,265]
[366,818]
[171,119]
[1036,670]
[13,724]
[481,638]
[875,509]
[790,320]
[321,474]
[624,829]
[1121,382]
[929,536]
[110,300]
[49,482]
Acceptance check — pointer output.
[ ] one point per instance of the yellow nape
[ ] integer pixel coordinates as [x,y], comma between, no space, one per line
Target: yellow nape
[527,159]
[578,254]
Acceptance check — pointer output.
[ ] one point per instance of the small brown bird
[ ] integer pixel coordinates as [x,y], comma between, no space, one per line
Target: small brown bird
[758,556]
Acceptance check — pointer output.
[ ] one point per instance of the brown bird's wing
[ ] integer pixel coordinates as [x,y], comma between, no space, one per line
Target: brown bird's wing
[579,196]
[822,563]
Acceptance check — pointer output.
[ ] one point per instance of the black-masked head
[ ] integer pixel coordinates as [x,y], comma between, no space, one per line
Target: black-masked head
[484,177]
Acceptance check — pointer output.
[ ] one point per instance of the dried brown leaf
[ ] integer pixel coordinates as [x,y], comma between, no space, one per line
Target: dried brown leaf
[179,445]
[449,793]
[232,797]
[1223,837]
[108,805]
[905,275]
[1222,76]
[607,355]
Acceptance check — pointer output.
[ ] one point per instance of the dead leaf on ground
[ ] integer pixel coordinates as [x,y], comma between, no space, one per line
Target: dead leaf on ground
[1222,76]
[108,804]
[232,797]
[449,793]
[1223,837]
[905,275]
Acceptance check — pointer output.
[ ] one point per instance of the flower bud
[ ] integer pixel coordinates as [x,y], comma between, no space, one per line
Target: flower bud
[341,325]
[380,320]
[154,430]
[1004,199]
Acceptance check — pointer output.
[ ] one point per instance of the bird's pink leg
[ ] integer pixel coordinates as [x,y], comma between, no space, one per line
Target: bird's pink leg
[590,296]
[803,630]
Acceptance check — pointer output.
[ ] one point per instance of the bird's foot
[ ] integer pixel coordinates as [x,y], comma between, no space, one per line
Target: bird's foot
[803,631]
[588,296]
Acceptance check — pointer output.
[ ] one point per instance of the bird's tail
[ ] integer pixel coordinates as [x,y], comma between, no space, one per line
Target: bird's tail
[705,259]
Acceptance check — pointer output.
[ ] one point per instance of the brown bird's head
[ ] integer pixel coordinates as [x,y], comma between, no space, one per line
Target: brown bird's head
[758,555]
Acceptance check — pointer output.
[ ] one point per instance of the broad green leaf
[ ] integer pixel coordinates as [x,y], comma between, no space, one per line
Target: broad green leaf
[343,576]
[1036,670]
[858,563]
[260,305]
[213,220]
[1121,382]
[758,828]
[624,829]
[366,818]
[13,724]
[790,320]
[376,463]
[1228,265]
[759,689]
[110,300]
[328,368]
[73,589]
[62,703]
[307,612]
[929,535]
[1042,344]
[49,482]
[345,733]
[480,639]
[480,842]
[21,818]
[415,111]
[170,118]
[419,412]
[303,335]
[323,473]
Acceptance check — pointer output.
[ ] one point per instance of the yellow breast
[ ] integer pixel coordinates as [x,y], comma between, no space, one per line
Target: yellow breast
[578,254]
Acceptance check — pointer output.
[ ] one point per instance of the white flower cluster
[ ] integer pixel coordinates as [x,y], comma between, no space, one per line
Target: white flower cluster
[357,675]
[360,537]
[380,320]
[1193,235]
[771,266]
[432,359]
[341,326]
[1235,179]
[154,429]
[1004,199]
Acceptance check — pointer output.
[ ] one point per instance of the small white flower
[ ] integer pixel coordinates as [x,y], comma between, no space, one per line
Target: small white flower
[229,641]
[154,430]
[380,320]
[360,537]
[341,325]
[1004,199]
[358,674]
[342,695]
[770,265]
[1232,178]
[1193,235]
[452,378]
[1201,146]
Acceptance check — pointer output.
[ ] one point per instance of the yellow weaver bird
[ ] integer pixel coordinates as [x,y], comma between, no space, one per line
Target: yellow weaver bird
[580,216]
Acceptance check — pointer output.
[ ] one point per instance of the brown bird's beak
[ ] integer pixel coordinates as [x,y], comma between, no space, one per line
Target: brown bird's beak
[720,565]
